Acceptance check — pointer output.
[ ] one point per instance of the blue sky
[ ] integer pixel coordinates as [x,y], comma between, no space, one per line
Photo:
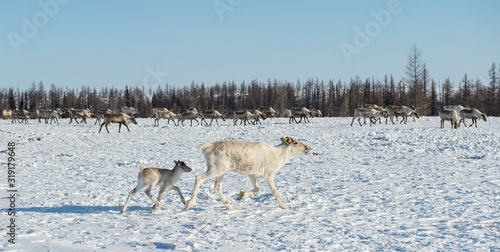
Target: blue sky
[150,43]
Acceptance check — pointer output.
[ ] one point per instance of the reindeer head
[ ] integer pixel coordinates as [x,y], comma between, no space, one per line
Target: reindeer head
[292,143]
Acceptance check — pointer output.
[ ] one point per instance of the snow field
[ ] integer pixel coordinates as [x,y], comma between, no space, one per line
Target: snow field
[388,187]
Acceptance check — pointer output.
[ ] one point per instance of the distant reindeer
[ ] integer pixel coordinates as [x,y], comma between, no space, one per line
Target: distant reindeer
[150,177]
[371,114]
[52,115]
[120,118]
[403,111]
[457,108]
[129,111]
[287,114]
[472,114]
[163,113]
[79,113]
[6,114]
[21,115]
[269,111]
[449,115]
[211,114]
[190,114]
[100,115]
[244,117]
[258,114]
[317,113]
[302,113]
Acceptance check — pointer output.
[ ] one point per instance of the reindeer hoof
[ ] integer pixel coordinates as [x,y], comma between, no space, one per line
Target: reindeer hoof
[189,204]
[242,195]
[285,207]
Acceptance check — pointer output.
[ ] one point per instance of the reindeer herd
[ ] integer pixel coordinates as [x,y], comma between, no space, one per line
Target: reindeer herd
[127,116]
[456,114]
[254,159]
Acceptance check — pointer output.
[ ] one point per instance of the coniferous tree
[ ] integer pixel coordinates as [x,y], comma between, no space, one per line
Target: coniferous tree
[492,101]
[12,99]
[433,103]
[413,79]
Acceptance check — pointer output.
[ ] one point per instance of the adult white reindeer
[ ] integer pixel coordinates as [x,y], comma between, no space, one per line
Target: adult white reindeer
[257,160]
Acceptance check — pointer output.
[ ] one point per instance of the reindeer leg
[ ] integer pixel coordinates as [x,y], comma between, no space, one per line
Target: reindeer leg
[101,127]
[175,188]
[160,195]
[256,188]
[218,189]
[148,193]
[270,182]
[199,180]
[128,199]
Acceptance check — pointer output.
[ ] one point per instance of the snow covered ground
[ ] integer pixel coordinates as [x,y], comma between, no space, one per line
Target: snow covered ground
[389,187]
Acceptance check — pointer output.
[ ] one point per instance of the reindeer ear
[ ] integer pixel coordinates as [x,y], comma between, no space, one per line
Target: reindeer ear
[286,140]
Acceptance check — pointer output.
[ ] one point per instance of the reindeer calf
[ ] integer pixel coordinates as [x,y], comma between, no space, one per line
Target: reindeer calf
[165,178]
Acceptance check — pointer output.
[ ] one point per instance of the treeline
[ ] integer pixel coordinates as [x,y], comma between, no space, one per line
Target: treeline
[333,98]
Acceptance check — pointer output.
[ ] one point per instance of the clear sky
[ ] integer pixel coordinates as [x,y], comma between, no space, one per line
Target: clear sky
[149,43]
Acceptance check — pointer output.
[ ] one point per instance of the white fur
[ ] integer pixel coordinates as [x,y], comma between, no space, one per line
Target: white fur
[402,111]
[317,113]
[371,114]
[150,177]
[269,111]
[51,115]
[7,114]
[190,114]
[163,114]
[257,160]
[449,115]
[100,115]
[301,113]
[473,114]
[286,113]
[244,116]
[457,108]
[79,113]
[129,111]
